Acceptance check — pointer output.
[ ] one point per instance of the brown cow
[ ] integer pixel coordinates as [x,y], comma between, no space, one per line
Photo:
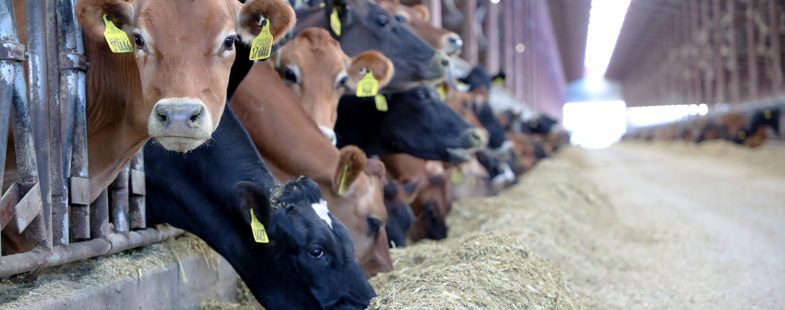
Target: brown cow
[316,69]
[432,204]
[417,18]
[291,145]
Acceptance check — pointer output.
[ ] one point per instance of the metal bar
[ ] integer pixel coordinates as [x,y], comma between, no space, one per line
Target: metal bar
[708,55]
[118,201]
[492,28]
[520,48]
[136,205]
[508,43]
[436,13]
[719,67]
[99,216]
[733,65]
[470,48]
[694,53]
[113,243]
[775,52]
[39,111]
[752,57]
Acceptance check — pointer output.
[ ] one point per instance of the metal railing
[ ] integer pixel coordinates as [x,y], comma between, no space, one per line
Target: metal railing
[49,202]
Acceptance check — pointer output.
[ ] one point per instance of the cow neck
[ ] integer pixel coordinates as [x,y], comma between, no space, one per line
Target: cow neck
[360,124]
[116,127]
[282,131]
[199,201]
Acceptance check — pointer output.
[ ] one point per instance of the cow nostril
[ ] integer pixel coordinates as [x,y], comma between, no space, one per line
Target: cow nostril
[193,117]
[162,117]
[445,62]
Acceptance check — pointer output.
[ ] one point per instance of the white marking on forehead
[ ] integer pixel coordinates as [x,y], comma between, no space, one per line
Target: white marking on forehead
[321,210]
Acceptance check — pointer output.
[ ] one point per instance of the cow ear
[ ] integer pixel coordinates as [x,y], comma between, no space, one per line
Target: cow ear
[381,66]
[424,13]
[90,15]
[351,164]
[252,196]
[412,188]
[278,13]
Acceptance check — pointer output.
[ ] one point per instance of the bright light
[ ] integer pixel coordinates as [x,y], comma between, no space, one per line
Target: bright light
[595,124]
[605,20]
[495,1]
[653,115]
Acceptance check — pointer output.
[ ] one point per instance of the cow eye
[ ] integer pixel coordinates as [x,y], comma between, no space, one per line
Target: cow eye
[383,21]
[465,105]
[229,43]
[342,82]
[316,252]
[139,41]
[400,18]
[374,225]
[289,75]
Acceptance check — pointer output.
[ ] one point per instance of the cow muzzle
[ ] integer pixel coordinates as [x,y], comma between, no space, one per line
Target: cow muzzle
[437,68]
[471,140]
[180,124]
[451,44]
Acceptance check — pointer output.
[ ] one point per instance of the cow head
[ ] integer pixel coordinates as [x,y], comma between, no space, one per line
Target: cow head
[399,212]
[363,212]
[310,253]
[430,208]
[318,72]
[417,122]
[367,26]
[184,50]
[416,18]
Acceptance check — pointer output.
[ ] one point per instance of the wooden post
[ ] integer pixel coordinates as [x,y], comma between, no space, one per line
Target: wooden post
[752,57]
[470,48]
[492,29]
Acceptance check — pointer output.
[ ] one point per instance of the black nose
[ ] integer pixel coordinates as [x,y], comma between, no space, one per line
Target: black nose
[445,62]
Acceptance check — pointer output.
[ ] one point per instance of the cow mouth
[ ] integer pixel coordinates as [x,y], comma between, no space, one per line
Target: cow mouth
[458,156]
[179,143]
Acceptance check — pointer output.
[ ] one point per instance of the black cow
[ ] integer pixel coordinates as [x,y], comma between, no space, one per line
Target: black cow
[307,264]
[367,26]
[769,117]
[399,214]
[496,133]
[417,122]
[539,125]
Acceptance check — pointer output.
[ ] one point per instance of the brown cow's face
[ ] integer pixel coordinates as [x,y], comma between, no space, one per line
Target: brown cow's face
[416,18]
[316,69]
[184,50]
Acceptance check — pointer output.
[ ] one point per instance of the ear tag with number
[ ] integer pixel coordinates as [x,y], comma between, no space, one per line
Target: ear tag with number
[259,233]
[368,86]
[262,45]
[767,114]
[342,185]
[335,22]
[442,92]
[116,38]
[456,177]
[499,81]
[381,103]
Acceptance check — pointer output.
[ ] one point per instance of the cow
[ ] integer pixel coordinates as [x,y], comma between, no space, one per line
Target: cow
[318,72]
[219,190]
[366,26]
[292,145]
[417,19]
[431,205]
[399,213]
[417,122]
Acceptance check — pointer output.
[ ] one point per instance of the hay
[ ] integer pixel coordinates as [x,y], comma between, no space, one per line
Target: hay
[60,281]
[477,271]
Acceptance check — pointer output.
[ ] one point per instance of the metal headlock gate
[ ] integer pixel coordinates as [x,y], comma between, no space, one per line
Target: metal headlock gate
[49,201]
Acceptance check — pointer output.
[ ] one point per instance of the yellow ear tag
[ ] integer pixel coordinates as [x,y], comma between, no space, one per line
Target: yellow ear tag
[456,177]
[368,86]
[259,233]
[742,135]
[342,185]
[442,92]
[262,45]
[321,5]
[381,103]
[116,38]
[335,22]
[767,114]
[533,123]
[499,81]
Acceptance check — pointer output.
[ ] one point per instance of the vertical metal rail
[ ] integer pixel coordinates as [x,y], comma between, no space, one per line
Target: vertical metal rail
[775,48]
[467,33]
[752,57]
[508,43]
[99,216]
[492,28]
[436,13]
[136,205]
[733,63]
[118,201]
[39,113]
[11,53]
[73,65]
[719,65]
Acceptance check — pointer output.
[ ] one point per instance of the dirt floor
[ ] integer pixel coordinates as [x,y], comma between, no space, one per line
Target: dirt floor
[635,226]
